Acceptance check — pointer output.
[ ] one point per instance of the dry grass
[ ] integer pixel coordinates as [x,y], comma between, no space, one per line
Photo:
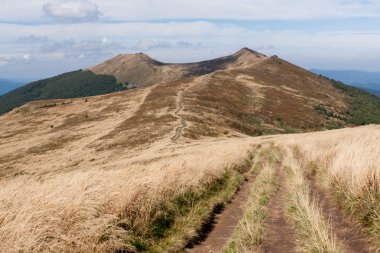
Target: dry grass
[314,231]
[81,210]
[250,231]
[348,168]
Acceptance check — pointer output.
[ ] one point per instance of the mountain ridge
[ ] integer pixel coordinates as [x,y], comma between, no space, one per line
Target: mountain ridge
[287,97]
[131,67]
[120,72]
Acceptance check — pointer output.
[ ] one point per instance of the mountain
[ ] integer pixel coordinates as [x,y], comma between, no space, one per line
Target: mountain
[257,93]
[119,73]
[369,81]
[142,70]
[245,92]
[8,85]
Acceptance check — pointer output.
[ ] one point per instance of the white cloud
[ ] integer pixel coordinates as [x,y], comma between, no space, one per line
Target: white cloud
[72,11]
[147,44]
[189,44]
[132,10]
[87,49]
[32,39]
[28,35]
[237,9]
[15,59]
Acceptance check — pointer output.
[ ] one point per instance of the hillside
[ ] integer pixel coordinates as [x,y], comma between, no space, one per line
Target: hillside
[69,85]
[147,169]
[368,81]
[77,175]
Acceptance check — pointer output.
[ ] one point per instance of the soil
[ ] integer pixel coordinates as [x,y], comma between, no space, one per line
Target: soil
[279,236]
[183,124]
[224,223]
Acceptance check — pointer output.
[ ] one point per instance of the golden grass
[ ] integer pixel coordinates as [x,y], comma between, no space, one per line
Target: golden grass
[314,232]
[348,168]
[349,156]
[81,210]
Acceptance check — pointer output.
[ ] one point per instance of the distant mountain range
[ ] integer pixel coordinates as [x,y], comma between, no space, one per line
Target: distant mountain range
[369,81]
[8,85]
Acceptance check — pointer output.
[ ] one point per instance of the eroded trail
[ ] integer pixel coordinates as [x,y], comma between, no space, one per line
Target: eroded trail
[179,106]
[225,222]
[279,235]
[183,124]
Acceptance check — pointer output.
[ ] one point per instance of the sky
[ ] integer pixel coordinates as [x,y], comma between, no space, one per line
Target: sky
[42,38]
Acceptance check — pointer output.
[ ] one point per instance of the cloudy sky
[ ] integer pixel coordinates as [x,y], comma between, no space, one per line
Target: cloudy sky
[41,38]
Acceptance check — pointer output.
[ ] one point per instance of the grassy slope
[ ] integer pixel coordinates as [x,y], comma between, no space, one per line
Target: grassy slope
[69,85]
[363,107]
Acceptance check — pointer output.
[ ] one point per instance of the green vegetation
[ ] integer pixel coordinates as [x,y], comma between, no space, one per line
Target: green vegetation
[364,108]
[69,85]
[322,110]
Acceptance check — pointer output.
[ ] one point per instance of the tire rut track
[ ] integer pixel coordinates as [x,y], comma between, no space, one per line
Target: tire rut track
[348,234]
[225,222]
[279,235]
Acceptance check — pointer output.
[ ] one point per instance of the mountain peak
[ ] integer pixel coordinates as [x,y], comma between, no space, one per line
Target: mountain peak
[135,57]
[245,51]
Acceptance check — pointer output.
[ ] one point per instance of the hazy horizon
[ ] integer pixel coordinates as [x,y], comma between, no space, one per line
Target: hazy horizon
[46,37]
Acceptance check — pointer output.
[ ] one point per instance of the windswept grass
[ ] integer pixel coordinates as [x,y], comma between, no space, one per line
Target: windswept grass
[154,206]
[348,168]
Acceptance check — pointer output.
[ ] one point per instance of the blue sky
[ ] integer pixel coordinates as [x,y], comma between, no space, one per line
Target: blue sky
[41,38]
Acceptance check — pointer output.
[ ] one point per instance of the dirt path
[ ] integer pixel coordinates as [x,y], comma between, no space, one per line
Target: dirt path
[349,235]
[179,106]
[224,223]
[279,235]
[183,124]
